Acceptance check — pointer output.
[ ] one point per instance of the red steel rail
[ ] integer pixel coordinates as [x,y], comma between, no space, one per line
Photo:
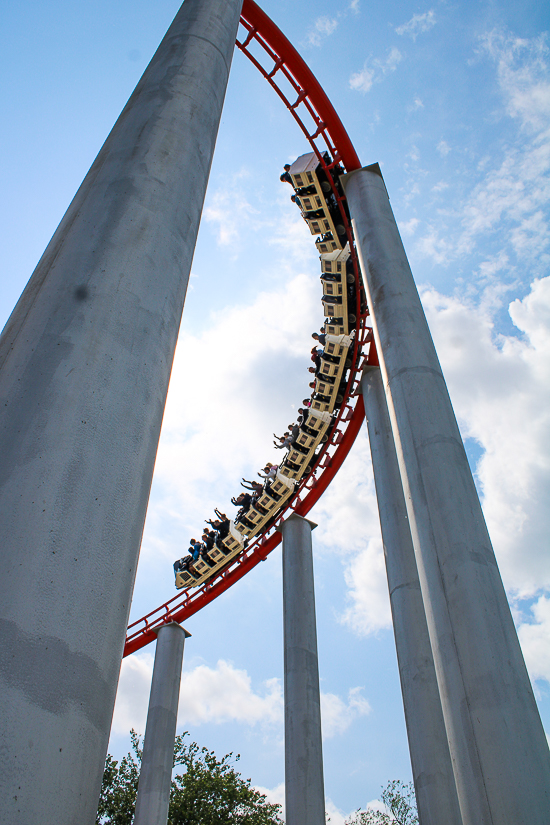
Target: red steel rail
[293,81]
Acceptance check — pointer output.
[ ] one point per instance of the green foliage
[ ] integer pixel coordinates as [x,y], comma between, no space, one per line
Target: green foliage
[209,791]
[119,787]
[399,799]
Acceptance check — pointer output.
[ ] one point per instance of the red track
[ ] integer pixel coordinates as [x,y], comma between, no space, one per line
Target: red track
[279,62]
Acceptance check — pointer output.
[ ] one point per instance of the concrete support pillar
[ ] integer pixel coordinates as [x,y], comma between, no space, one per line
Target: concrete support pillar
[498,748]
[85,360]
[304,785]
[158,745]
[430,759]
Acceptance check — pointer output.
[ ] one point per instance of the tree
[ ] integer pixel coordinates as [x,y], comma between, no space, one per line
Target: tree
[208,792]
[399,799]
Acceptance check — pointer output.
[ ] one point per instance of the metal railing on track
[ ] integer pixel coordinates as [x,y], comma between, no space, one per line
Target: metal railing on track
[287,73]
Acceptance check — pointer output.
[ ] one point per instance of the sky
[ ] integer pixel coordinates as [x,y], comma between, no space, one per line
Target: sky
[453,100]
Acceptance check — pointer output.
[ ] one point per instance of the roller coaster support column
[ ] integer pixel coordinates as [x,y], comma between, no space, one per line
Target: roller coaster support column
[431,762]
[498,748]
[304,785]
[155,776]
[85,360]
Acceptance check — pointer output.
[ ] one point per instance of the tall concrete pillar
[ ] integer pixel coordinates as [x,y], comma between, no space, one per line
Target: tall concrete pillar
[153,796]
[85,360]
[498,748]
[304,784]
[430,759]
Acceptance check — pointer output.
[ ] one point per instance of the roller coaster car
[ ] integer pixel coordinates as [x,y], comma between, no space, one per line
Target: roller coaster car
[338,345]
[336,264]
[291,471]
[326,244]
[307,440]
[318,405]
[325,387]
[282,486]
[185,578]
[234,541]
[332,289]
[336,326]
[329,369]
[306,171]
[201,570]
[336,306]
[317,420]
[265,507]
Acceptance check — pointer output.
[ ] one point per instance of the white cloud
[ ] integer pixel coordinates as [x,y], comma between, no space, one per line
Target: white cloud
[226,431]
[500,388]
[229,209]
[362,81]
[432,245]
[392,61]
[132,698]
[409,227]
[513,189]
[443,148]
[222,694]
[277,795]
[374,70]
[335,815]
[522,66]
[322,28]
[354,6]
[274,795]
[225,694]
[349,526]
[337,715]
[369,609]
[418,24]
[415,105]
[535,640]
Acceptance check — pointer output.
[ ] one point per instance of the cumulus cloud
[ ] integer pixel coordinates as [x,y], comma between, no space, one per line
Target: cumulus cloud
[274,795]
[337,715]
[500,386]
[132,698]
[256,389]
[374,70]
[322,28]
[409,227]
[229,210]
[222,694]
[522,66]
[535,640]
[418,24]
[513,189]
[415,105]
[349,527]
[277,795]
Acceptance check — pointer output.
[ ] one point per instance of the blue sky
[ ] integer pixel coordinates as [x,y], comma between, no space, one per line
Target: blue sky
[453,101]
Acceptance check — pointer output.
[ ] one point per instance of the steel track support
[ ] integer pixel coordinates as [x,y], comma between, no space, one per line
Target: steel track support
[430,759]
[498,748]
[153,796]
[304,784]
[85,360]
